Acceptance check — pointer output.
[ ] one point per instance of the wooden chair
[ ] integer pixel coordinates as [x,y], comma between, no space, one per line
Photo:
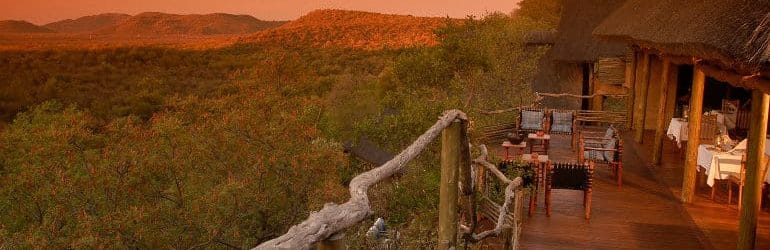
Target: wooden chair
[611,155]
[730,106]
[739,180]
[562,122]
[570,176]
[597,138]
[531,120]
[709,129]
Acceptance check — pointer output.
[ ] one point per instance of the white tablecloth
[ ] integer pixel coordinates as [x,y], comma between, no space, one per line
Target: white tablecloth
[677,129]
[719,165]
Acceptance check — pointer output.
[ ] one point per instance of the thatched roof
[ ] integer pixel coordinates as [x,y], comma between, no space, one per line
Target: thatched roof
[729,31]
[539,38]
[574,42]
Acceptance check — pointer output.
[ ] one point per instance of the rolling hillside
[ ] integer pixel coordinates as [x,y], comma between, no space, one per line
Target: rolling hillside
[13,26]
[356,29]
[154,23]
[88,23]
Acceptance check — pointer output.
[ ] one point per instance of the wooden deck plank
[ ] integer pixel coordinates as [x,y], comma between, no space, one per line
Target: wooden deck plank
[717,221]
[644,214]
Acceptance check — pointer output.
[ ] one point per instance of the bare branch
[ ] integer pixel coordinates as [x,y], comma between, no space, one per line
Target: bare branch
[334,218]
[509,195]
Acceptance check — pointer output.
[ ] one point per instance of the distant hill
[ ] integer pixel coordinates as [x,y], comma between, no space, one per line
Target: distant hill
[13,26]
[353,29]
[154,23]
[88,23]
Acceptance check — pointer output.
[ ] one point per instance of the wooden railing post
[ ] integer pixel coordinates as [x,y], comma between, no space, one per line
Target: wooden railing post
[466,178]
[755,153]
[693,134]
[660,133]
[335,242]
[451,144]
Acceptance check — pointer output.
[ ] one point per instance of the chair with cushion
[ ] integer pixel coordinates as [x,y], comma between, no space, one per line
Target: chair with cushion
[532,120]
[610,153]
[571,176]
[563,123]
[598,139]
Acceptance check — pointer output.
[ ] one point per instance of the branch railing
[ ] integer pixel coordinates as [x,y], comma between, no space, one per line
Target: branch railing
[325,227]
[513,196]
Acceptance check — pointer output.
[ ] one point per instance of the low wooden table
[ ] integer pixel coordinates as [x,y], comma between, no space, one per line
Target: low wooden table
[508,145]
[543,146]
[539,177]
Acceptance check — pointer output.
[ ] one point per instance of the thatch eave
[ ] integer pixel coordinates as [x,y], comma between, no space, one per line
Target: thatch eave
[734,33]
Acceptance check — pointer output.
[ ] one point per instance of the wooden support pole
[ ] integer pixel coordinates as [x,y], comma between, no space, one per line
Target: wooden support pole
[641,104]
[630,78]
[448,191]
[466,178]
[693,135]
[755,153]
[657,152]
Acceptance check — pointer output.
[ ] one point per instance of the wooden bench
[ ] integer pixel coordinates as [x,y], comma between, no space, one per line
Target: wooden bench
[590,120]
[616,153]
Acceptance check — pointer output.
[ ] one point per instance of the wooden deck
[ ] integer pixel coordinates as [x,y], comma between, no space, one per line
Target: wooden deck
[644,214]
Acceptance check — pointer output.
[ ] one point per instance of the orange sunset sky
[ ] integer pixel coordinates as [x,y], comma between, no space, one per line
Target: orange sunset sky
[45,11]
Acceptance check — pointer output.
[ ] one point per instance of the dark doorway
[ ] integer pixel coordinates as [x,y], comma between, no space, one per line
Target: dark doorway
[584,104]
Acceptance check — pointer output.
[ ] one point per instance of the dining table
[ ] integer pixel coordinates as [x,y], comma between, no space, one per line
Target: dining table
[678,130]
[719,164]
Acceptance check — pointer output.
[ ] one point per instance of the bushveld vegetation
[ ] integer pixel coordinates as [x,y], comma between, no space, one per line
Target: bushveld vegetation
[165,148]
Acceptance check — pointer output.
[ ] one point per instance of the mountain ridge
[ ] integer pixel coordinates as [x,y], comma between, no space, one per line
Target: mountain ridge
[87,23]
[157,23]
[19,26]
[356,29]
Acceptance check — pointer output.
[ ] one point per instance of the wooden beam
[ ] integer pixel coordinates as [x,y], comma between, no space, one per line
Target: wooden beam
[755,153]
[733,78]
[451,149]
[657,152]
[641,103]
[679,60]
[693,135]
[630,78]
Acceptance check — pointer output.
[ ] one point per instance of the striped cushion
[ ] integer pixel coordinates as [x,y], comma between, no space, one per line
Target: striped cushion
[593,155]
[531,120]
[610,155]
[610,132]
[562,122]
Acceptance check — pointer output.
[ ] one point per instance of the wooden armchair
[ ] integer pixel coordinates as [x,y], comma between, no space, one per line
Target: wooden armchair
[570,176]
[597,139]
[610,154]
[730,106]
[739,180]
[709,129]
[532,120]
[562,122]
